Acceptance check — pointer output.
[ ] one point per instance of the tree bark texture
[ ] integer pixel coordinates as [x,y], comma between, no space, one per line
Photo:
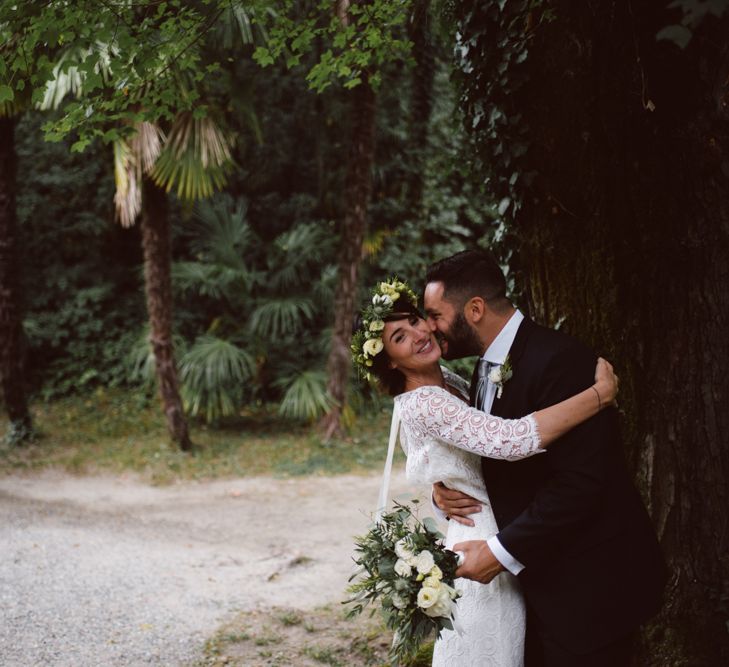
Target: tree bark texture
[11,332]
[357,190]
[156,243]
[625,244]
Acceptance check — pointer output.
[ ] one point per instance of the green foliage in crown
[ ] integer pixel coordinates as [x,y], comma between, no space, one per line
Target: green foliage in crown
[367,340]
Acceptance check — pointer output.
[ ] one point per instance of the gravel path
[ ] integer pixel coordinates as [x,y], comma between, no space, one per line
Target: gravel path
[109,571]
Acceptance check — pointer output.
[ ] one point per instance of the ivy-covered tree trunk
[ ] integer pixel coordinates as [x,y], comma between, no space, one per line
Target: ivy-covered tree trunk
[11,349]
[156,242]
[612,165]
[357,189]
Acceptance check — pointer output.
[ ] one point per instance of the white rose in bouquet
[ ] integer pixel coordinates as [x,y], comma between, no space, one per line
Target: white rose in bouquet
[402,568]
[443,605]
[402,551]
[427,597]
[424,562]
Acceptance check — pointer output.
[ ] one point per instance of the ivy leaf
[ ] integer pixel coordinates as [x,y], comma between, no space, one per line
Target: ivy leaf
[80,145]
[678,34]
[6,94]
[263,56]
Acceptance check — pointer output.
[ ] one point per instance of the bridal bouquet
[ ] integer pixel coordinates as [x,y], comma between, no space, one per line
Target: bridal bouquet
[404,566]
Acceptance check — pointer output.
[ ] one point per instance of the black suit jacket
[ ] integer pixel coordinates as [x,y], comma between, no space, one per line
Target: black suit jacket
[593,568]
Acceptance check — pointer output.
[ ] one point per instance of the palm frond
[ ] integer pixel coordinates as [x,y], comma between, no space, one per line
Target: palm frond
[210,280]
[280,317]
[213,374]
[146,144]
[306,396]
[196,158]
[127,177]
[221,230]
[69,80]
[134,156]
[299,252]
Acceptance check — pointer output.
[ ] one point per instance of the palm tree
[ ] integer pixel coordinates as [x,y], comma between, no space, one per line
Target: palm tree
[194,158]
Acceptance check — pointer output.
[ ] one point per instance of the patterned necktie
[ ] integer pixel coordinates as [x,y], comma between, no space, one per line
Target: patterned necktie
[484,368]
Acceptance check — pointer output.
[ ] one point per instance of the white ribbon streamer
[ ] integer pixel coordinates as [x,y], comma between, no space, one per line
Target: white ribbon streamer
[385,488]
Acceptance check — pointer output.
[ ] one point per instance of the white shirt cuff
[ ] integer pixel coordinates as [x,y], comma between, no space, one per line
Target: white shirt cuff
[437,511]
[503,556]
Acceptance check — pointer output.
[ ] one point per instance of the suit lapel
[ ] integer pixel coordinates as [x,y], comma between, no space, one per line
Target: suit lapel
[515,354]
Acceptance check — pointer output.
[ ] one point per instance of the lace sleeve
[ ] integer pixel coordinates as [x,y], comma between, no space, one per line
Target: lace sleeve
[434,412]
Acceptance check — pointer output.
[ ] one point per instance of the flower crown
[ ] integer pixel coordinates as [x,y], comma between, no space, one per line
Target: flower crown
[367,340]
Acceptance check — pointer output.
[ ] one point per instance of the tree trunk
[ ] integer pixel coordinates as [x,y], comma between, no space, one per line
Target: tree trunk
[624,237]
[156,242]
[357,189]
[626,243]
[421,103]
[11,332]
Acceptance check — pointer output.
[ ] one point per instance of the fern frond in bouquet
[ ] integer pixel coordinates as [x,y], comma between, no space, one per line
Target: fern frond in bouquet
[403,566]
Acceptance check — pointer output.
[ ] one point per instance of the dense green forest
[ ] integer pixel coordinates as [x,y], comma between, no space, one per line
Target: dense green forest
[254,267]
[195,196]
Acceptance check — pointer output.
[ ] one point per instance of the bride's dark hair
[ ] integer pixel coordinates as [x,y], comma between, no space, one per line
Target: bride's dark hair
[392,380]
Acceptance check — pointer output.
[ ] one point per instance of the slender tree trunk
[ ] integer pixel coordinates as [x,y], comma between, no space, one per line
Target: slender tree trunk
[625,237]
[421,104]
[11,333]
[358,186]
[156,242]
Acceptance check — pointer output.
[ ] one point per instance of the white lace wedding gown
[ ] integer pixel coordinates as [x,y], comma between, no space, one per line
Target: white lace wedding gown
[443,439]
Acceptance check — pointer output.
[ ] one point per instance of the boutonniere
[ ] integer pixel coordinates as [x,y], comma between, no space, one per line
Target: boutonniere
[500,375]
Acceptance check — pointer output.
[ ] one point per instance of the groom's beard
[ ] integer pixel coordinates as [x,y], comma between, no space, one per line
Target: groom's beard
[461,341]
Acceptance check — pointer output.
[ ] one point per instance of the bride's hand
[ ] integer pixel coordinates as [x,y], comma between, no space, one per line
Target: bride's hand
[606,382]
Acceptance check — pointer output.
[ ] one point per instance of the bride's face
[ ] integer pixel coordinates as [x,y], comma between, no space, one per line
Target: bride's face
[410,344]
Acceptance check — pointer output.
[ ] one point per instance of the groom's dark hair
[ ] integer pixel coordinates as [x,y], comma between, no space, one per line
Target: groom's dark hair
[470,273]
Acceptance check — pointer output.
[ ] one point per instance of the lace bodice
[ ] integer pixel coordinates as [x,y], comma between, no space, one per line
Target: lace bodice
[443,437]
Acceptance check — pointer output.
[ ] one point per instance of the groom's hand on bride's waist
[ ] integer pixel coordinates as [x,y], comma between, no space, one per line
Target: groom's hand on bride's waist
[454,504]
[479,562]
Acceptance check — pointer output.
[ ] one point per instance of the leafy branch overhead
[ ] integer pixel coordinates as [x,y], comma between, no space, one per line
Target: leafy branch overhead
[358,39]
[136,62]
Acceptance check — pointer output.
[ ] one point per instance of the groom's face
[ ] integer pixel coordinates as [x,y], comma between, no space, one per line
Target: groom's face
[457,337]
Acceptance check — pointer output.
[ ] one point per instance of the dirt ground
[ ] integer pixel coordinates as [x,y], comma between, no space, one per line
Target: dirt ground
[100,570]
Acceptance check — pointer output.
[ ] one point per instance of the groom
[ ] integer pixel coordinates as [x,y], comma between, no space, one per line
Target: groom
[571,525]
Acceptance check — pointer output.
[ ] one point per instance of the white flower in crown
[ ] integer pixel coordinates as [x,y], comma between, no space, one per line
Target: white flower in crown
[376,325]
[373,346]
[499,376]
[382,300]
[392,290]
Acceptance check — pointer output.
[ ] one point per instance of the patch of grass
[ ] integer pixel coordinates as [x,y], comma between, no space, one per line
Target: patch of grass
[291,617]
[267,640]
[339,641]
[324,655]
[236,637]
[114,431]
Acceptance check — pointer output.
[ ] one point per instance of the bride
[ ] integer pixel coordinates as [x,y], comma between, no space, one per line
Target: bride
[443,438]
